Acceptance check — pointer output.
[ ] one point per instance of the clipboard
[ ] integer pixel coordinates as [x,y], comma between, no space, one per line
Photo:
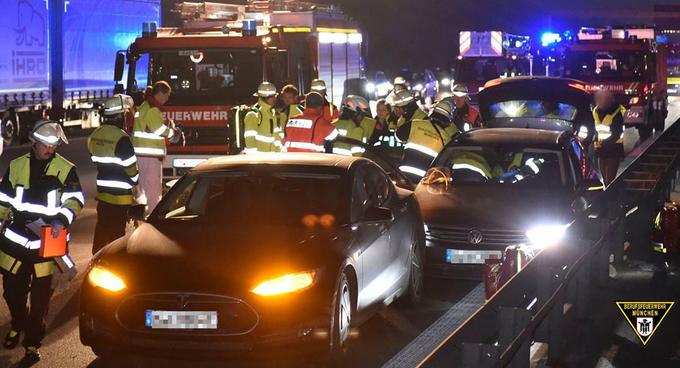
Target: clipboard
[50,246]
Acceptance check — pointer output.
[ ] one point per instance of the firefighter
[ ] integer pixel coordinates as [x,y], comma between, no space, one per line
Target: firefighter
[290,106]
[608,117]
[355,123]
[309,131]
[470,166]
[329,110]
[112,152]
[405,107]
[399,84]
[425,138]
[466,117]
[148,138]
[40,188]
[262,131]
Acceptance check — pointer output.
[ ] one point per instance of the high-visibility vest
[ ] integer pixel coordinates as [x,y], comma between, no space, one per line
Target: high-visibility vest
[418,114]
[57,197]
[112,152]
[149,132]
[262,130]
[426,139]
[289,112]
[308,132]
[330,112]
[348,128]
[603,127]
[465,160]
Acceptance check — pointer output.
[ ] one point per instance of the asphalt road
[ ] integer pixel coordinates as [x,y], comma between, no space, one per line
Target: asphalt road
[379,341]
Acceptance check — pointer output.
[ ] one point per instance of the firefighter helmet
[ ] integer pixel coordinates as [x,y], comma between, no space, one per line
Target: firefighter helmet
[266,89]
[399,81]
[401,98]
[460,90]
[118,104]
[445,109]
[356,103]
[48,132]
[318,85]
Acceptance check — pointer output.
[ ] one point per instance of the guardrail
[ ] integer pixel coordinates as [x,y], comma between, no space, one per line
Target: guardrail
[535,304]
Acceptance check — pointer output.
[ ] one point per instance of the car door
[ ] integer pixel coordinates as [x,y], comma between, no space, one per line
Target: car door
[372,238]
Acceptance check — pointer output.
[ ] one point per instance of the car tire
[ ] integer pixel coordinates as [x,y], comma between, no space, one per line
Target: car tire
[342,312]
[416,278]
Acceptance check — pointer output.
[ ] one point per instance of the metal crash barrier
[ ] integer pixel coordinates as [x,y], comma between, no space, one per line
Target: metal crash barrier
[535,305]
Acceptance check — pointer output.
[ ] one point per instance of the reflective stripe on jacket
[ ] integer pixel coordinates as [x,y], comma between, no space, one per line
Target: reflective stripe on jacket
[112,152]
[426,139]
[308,132]
[261,130]
[604,126]
[149,132]
[56,195]
[348,128]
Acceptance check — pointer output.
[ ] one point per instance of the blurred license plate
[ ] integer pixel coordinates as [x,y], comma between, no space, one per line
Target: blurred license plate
[457,256]
[181,319]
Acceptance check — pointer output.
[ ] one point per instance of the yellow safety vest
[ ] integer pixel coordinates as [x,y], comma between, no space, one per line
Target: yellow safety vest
[426,139]
[262,131]
[116,171]
[603,127]
[465,160]
[361,132]
[417,115]
[149,132]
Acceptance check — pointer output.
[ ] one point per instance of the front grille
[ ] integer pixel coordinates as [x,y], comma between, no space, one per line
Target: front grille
[461,235]
[234,316]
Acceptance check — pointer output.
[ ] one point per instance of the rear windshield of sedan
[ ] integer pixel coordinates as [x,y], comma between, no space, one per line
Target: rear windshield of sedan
[533,109]
[247,198]
[503,165]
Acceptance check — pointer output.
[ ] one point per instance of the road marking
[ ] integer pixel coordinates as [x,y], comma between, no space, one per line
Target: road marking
[432,336]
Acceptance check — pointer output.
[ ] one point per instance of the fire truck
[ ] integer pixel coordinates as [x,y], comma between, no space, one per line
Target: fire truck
[216,59]
[628,62]
[487,55]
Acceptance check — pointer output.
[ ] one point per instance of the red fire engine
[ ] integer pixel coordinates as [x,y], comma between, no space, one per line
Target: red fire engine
[626,61]
[216,60]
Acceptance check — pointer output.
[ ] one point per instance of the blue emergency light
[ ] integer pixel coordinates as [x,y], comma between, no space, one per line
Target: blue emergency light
[249,27]
[549,38]
[149,29]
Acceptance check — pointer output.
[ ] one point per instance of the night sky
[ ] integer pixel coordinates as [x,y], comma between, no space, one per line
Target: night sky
[423,33]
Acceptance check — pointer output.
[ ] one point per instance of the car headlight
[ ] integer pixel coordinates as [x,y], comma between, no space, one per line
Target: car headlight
[105,279]
[370,87]
[546,235]
[285,284]
[446,82]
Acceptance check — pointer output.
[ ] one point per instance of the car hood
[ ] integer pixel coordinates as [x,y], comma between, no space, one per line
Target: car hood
[493,206]
[181,256]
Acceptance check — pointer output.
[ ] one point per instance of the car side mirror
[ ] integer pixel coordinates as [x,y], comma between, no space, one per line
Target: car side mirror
[119,67]
[378,214]
[137,212]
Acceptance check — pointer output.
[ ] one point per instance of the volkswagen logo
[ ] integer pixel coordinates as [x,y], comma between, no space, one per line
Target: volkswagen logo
[475,237]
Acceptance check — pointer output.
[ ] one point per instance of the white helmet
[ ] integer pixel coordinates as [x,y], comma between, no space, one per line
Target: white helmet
[266,89]
[318,85]
[400,98]
[118,104]
[48,132]
[399,80]
[460,90]
[356,104]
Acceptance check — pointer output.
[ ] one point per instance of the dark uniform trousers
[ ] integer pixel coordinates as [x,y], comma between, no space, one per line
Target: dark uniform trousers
[111,221]
[16,291]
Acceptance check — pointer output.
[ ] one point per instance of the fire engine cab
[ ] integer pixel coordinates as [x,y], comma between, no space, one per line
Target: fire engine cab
[216,60]
[626,61]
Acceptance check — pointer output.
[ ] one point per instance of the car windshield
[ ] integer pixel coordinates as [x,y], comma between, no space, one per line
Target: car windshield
[207,76]
[533,109]
[503,165]
[257,197]
[604,65]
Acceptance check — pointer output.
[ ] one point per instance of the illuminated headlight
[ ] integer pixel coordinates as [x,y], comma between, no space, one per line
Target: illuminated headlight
[418,87]
[285,284]
[370,87]
[105,279]
[446,82]
[546,235]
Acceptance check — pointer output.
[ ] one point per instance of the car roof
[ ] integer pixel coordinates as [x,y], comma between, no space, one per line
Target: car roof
[536,78]
[530,138]
[287,159]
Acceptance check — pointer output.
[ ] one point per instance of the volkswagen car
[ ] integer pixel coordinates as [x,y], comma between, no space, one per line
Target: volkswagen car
[247,253]
[498,187]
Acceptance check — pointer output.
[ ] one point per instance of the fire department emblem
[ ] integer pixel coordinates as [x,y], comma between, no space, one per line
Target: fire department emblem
[644,317]
[475,237]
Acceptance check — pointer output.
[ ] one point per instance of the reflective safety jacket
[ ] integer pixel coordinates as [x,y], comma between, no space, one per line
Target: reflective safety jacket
[426,139]
[472,162]
[289,112]
[611,123]
[308,132]
[149,132]
[112,151]
[348,128]
[262,131]
[330,112]
[418,114]
[32,189]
